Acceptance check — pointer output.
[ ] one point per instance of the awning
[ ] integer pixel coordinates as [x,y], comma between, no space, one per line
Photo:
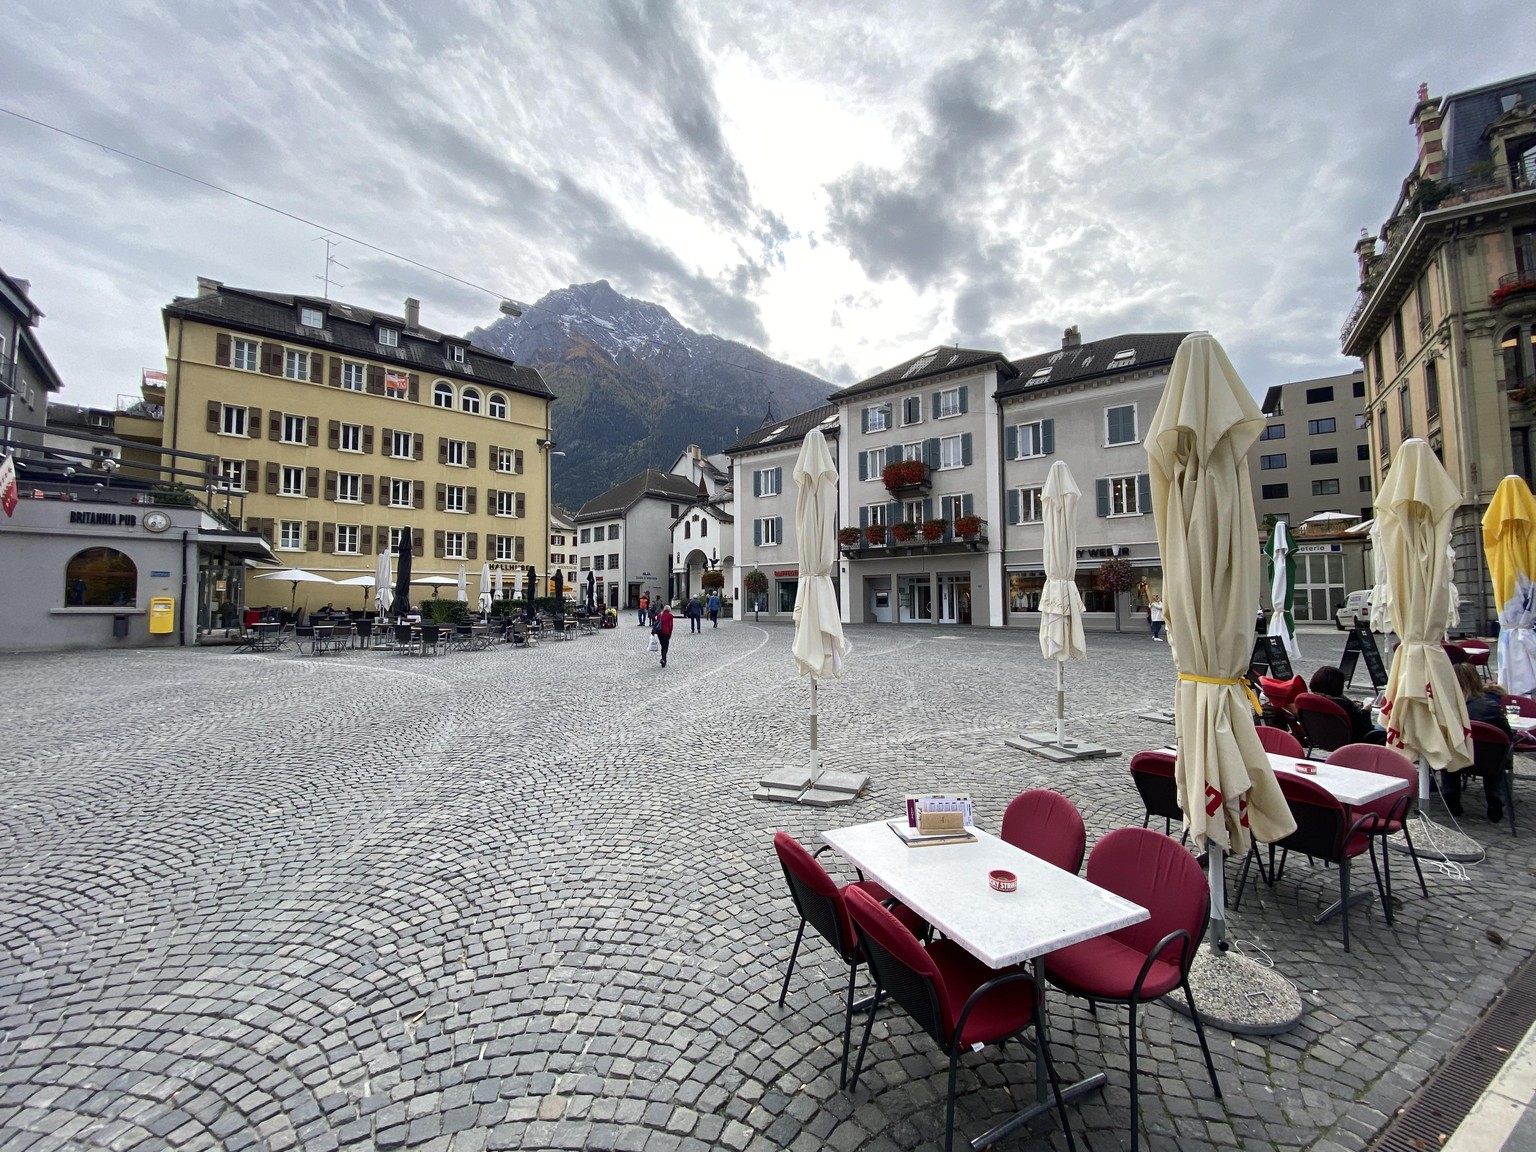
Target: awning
[246,545]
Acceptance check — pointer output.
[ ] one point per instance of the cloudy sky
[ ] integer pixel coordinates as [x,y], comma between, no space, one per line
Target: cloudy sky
[842,188]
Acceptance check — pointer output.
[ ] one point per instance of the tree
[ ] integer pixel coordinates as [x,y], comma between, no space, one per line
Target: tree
[1116,577]
[755,585]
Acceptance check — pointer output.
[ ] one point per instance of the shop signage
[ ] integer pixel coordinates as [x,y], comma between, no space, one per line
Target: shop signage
[157,574]
[1319,548]
[105,519]
[786,571]
[8,485]
[1106,552]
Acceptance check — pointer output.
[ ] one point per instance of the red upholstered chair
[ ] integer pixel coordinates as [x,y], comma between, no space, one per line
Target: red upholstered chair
[951,995]
[1326,724]
[820,902]
[1325,830]
[1524,741]
[1048,825]
[1153,773]
[1146,961]
[1389,815]
[1279,741]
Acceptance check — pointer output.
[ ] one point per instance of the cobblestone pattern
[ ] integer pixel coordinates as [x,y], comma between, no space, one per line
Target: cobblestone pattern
[521,899]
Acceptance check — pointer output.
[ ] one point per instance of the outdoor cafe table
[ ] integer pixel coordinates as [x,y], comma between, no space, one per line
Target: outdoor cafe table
[265,637]
[947,886]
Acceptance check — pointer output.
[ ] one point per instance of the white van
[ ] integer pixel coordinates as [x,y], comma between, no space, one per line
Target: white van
[1356,609]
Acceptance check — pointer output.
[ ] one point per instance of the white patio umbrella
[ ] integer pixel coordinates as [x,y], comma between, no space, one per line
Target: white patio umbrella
[1381,592]
[1202,502]
[296,576]
[435,582]
[517,583]
[463,585]
[1061,605]
[1509,542]
[1424,712]
[819,647]
[499,591]
[486,592]
[383,583]
[1282,588]
[366,580]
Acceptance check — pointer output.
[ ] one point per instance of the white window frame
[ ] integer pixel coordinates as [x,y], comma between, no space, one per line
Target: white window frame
[469,401]
[349,539]
[311,317]
[295,364]
[1031,501]
[396,487]
[389,337]
[767,529]
[454,546]
[913,451]
[876,413]
[354,376]
[456,353]
[767,481]
[409,442]
[353,433]
[349,488]
[496,406]
[914,511]
[453,497]
[290,422]
[244,355]
[232,474]
[506,548]
[295,528]
[394,539]
[455,454]
[506,503]
[883,456]
[1034,432]
[442,394]
[235,414]
[951,452]
[1126,491]
[1135,426]
[291,480]
[506,461]
[949,403]
[875,514]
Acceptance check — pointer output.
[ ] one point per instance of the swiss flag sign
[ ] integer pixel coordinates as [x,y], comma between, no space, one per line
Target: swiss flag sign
[8,485]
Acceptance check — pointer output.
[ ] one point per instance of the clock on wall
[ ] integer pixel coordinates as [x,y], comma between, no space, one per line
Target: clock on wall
[156,521]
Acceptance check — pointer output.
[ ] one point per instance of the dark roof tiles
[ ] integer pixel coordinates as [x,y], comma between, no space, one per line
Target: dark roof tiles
[776,433]
[621,497]
[1093,359]
[934,362]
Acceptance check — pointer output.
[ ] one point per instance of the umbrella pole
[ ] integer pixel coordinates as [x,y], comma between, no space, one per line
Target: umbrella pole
[1216,875]
[1061,702]
[815,751]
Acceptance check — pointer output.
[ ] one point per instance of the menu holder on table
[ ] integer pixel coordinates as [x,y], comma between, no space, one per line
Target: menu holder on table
[914,838]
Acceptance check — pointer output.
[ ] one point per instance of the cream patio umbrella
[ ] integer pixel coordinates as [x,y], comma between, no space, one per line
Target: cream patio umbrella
[819,647]
[366,580]
[485,587]
[296,576]
[1282,588]
[1381,592]
[1423,710]
[383,584]
[461,592]
[1202,502]
[1509,542]
[1061,605]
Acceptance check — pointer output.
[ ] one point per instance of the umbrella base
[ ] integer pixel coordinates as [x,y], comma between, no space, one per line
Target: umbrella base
[791,786]
[1061,751]
[1157,716]
[1433,841]
[1237,995]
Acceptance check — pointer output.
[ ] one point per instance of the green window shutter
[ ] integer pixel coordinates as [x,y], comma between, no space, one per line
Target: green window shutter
[778,529]
[935,405]
[1048,437]
[965,448]
[863,516]
[1144,493]
[1015,506]
[893,513]
[757,533]
[931,456]
[757,483]
[1012,444]
[967,505]
[863,465]
[1101,490]
[778,479]
[965,398]
[864,421]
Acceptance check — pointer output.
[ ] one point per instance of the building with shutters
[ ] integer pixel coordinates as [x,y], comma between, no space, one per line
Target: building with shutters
[337,428]
[934,414]
[1444,321]
[1089,405]
[763,506]
[624,537]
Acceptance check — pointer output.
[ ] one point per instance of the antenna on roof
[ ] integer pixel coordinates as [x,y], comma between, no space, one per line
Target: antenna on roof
[330,261]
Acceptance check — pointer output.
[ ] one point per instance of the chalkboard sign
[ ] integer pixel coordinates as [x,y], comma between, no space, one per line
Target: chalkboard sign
[1269,653]
[1362,643]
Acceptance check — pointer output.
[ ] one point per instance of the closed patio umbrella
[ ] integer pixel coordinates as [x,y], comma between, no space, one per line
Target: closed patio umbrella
[1061,604]
[533,594]
[1424,712]
[591,590]
[559,592]
[1381,591]
[1202,502]
[819,647]
[1282,588]
[401,604]
[1509,540]
[382,585]
[462,588]
[485,587]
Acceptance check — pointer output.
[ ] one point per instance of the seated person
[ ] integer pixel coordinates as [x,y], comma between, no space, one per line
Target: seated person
[1485,706]
[1328,682]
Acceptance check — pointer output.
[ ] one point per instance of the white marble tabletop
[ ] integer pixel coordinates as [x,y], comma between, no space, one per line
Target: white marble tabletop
[1347,785]
[947,885]
[1522,723]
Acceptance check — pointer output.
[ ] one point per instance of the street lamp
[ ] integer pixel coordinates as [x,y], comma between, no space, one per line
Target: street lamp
[547,446]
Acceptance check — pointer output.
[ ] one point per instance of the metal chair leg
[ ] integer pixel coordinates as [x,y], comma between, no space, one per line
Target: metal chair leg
[1344,898]
[949,1110]
[790,971]
[1414,856]
[1194,1014]
[1384,893]
[1135,1111]
[869,1026]
[1043,1046]
[853,972]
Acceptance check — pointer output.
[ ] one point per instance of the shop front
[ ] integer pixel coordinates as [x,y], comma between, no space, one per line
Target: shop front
[918,587]
[1103,610]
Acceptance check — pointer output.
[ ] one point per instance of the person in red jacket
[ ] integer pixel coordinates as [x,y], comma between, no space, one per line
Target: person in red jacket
[664,630]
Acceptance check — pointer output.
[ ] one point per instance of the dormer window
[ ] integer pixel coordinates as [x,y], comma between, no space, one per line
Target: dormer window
[311,317]
[389,337]
[456,353]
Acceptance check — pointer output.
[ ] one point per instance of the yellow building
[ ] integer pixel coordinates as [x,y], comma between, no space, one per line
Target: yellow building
[337,428]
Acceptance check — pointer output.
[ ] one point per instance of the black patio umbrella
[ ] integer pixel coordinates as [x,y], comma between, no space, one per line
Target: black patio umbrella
[591,590]
[533,587]
[559,592]
[402,601]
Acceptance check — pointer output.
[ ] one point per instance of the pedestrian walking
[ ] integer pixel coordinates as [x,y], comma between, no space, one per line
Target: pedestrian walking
[714,609]
[664,631]
[1155,617]
[645,603]
[694,610]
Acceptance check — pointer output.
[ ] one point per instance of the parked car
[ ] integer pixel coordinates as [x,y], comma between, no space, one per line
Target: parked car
[1356,609]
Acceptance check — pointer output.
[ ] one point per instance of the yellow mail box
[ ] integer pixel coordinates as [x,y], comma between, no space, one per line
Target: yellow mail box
[162,614]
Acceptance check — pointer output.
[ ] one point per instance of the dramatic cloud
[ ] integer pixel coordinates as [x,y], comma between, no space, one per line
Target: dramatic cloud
[842,187]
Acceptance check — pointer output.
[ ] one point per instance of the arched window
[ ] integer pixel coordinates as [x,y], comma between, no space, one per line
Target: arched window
[100,578]
[703,527]
[497,406]
[469,400]
[442,394]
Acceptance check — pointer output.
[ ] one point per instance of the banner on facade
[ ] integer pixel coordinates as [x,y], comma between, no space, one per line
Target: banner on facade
[8,485]
[396,382]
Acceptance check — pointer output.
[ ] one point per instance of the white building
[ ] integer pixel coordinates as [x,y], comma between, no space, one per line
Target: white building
[624,537]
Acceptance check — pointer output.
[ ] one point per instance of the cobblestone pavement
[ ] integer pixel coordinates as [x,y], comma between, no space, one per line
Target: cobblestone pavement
[522,899]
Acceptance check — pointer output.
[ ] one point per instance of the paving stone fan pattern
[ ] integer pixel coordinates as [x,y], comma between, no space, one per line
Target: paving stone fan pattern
[521,899]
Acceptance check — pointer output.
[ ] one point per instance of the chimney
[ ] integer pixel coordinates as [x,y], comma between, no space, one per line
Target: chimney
[412,313]
[207,287]
[1426,124]
[1365,252]
[1071,338]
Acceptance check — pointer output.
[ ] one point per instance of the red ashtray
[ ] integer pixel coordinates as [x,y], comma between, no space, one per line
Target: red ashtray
[1002,880]
[1306,769]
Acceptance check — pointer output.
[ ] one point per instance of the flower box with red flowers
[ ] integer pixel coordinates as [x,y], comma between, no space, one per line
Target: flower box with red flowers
[968,527]
[849,537]
[901,474]
[904,531]
[875,533]
[934,530]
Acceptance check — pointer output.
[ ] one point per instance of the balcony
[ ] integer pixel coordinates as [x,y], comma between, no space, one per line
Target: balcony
[966,534]
[1515,293]
[907,478]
